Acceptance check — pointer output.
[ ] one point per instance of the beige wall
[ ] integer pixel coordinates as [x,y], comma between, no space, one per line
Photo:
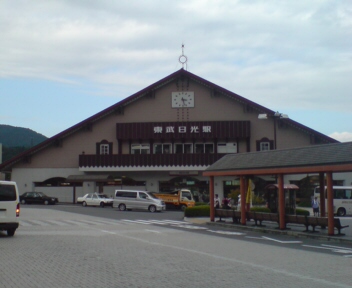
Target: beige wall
[158,109]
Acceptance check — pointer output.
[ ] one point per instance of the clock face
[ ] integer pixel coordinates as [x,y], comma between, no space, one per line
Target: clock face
[182,99]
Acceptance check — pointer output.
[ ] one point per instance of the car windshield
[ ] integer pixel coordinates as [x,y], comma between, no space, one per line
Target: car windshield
[103,196]
[151,195]
[41,194]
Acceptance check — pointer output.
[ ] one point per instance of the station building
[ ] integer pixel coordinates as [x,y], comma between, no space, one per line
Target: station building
[159,139]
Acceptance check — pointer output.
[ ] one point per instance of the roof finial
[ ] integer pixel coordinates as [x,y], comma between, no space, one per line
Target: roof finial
[183,59]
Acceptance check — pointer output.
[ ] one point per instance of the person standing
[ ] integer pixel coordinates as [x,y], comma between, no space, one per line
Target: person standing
[315,206]
[217,201]
[239,203]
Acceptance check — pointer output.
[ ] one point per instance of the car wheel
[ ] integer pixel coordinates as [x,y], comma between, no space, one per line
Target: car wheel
[183,207]
[11,232]
[23,201]
[84,204]
[341,212]
[122,207]
[46,202]
[152,208]
[102,204]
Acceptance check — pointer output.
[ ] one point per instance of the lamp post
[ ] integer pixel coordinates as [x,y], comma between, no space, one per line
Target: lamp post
[275,116]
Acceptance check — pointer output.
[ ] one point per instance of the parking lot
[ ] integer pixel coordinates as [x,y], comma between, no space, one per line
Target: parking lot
[54,248]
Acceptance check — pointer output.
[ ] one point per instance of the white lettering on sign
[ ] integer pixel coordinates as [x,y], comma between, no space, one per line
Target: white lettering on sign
[170,129]
[158,129]
[182,129]
[194,129]
[206,129]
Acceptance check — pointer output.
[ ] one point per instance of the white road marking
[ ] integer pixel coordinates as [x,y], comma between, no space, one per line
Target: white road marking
[282,242]
[226,232]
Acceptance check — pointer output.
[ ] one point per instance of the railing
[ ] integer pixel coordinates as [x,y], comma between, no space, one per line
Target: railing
[148,160]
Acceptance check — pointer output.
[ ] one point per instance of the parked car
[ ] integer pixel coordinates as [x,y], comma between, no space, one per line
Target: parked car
[37,198]
[9,207]
[95,199]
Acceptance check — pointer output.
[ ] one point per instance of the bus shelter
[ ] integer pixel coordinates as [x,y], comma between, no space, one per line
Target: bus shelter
[322,159]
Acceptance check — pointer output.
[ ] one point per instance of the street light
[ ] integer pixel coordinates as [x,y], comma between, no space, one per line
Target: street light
[276,115]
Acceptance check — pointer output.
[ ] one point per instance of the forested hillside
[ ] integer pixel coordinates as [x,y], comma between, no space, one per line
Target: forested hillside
[15,140]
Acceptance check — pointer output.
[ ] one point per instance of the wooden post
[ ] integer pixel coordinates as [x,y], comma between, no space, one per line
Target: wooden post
[211,195]
[330,195]
[322,195]
[281,192]
[243,200]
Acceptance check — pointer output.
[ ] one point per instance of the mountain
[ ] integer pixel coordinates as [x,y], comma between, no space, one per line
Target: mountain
[15,140]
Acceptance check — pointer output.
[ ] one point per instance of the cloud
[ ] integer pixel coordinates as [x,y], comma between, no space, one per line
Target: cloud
[342,136]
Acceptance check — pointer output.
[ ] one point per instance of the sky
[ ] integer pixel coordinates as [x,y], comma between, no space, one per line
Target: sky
[62,61]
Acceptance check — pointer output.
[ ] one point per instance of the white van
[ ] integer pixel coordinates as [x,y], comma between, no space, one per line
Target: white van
[132,199]
[9,207]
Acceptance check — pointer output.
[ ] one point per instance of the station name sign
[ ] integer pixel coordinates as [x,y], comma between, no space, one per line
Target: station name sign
[183,130]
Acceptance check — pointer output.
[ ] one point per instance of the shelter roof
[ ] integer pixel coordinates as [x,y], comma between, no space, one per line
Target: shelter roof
[336,157]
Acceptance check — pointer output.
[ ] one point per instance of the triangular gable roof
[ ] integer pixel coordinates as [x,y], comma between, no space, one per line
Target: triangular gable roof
[335,157]
[119,106]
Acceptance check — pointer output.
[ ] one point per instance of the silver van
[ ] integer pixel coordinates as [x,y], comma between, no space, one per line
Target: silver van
[9,207]
[132,199]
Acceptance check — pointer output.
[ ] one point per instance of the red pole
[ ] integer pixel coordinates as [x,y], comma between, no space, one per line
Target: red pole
[211,195]
[281,202]
[330,195]
[243,200]
[322,195]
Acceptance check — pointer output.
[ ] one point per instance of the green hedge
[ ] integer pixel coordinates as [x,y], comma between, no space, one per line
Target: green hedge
[260,209]
[302,212]
[198,211]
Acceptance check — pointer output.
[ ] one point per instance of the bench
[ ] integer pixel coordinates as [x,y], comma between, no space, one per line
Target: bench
[224,213]
[314,221]
[338,226]
[261,216]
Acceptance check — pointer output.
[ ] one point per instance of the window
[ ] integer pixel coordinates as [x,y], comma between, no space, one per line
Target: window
[140,149]
[7,193]
[264,146]
[104,149]
[227,147]
[207,148]
[142,195]
[162,148]
[183,148]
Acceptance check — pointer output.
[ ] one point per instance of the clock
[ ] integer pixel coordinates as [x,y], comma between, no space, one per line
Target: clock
[182,99]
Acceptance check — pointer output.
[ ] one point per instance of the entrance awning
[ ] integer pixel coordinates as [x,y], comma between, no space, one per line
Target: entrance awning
[85,178]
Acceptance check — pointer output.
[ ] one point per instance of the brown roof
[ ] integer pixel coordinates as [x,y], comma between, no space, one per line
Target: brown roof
[146,92]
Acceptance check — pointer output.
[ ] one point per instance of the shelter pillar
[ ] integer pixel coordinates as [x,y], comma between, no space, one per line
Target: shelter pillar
[211,195]
[322,195]
[281,202]
[243,199]
[330,194]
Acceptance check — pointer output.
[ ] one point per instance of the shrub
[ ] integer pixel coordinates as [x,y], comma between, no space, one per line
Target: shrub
[198,211]
[302,212]
[260,209]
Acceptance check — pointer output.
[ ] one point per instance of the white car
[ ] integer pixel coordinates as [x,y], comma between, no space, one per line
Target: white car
[95,199]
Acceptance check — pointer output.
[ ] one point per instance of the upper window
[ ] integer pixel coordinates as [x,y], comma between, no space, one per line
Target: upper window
[183,148]
[265,144]
[140,149]
[162,148]
[104,147]
[204,148]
